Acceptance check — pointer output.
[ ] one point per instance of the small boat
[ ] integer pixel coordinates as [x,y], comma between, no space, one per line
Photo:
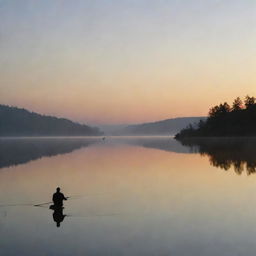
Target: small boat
[56,207]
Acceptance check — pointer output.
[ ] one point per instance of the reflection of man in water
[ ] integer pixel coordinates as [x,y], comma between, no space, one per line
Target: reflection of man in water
[58,216]
[58,198]
[57,207]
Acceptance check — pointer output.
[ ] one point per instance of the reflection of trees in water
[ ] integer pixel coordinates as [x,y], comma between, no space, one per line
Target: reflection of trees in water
[226,153]
[19,151]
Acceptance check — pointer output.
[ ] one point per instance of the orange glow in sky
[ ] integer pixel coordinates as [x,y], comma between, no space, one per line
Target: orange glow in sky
[111,62]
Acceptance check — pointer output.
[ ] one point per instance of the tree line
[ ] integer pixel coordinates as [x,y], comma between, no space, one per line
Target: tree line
[238,119]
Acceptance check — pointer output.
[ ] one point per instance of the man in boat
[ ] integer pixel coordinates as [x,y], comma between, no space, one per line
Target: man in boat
[58,198]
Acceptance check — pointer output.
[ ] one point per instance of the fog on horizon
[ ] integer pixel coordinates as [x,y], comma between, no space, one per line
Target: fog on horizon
[126,61]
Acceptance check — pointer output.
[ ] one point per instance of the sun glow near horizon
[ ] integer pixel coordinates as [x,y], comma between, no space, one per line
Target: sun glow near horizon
[126,61]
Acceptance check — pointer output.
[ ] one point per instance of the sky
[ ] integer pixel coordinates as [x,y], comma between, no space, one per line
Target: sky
[126,61]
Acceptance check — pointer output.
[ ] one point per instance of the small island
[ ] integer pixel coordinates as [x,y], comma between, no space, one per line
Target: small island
[237,120]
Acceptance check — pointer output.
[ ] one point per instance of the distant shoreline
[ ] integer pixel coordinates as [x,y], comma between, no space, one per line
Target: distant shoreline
[88,136]
[216,137]
[224,120]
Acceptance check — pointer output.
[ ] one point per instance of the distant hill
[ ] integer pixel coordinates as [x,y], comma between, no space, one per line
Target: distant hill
[21,122]
[164,127]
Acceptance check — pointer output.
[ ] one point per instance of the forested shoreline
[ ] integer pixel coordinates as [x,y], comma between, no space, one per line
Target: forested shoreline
[238,119]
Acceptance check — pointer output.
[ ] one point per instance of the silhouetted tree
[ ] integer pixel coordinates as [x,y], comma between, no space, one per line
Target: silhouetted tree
[237,104]
[201,124]
[249,101]
[220,110]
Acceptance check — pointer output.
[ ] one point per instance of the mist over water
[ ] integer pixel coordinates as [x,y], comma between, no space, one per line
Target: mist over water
[131,196]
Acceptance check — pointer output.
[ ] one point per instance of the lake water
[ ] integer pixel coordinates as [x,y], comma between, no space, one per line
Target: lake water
[131,196]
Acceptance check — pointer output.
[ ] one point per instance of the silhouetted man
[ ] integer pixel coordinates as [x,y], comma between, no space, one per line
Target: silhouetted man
[58,198]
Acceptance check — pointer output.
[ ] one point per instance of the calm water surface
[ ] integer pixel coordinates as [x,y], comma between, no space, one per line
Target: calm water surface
[132,196]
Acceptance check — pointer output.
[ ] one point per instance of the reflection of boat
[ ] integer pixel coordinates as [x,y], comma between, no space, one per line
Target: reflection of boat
[57,215]
[225,153]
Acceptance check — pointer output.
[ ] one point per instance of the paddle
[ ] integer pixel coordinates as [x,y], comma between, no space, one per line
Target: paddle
[45,203]
[68,197]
